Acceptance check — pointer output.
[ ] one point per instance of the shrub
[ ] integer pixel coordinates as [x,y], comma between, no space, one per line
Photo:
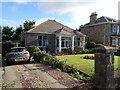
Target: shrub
[90,45]
[33,48]
[60,64]
[83,51]
[117,53]
[98,45]
[37,56]
[16,44]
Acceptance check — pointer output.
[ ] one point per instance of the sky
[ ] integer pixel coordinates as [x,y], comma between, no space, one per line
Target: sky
[72,13]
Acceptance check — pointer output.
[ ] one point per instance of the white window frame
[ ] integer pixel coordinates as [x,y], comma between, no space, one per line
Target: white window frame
[115,41]
[42,40]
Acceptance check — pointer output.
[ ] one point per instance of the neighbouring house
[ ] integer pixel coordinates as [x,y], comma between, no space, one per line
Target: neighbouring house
[102,30]
[53,36]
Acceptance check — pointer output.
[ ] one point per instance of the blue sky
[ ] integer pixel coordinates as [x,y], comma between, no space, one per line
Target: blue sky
[72,14]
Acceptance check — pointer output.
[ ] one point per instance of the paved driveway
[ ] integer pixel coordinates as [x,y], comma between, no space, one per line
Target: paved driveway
[28,76]
[36,75]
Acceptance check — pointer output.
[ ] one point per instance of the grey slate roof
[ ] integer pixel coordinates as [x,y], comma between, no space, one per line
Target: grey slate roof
[49,26]
[103,19]
[54,27]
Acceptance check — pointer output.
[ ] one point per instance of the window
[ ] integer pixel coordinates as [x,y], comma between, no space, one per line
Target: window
[118,41]
[43,40]
[118,28]
[78,41]
[65,42]
[40,40]
[57,42]
[113,41]
[114,28]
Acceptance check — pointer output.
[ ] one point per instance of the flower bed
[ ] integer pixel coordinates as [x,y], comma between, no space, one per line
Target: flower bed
[88,57]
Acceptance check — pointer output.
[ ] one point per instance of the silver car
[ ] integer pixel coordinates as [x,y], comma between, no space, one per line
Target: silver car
[17,54]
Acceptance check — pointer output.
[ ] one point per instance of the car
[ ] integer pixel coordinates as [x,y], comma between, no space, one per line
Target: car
[17,54]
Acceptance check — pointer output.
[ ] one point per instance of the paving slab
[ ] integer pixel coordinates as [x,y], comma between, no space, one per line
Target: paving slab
[53,83]
[11,78]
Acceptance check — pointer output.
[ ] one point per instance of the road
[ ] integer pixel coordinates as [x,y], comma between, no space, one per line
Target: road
[35,75]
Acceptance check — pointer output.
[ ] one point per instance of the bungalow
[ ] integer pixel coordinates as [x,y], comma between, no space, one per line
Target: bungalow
[53,36]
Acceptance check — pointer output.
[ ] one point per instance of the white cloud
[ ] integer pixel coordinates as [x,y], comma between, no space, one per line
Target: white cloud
[80,11]
[48,1]
[9,23]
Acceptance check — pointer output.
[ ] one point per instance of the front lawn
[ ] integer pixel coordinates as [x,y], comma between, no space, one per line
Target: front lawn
[85,65]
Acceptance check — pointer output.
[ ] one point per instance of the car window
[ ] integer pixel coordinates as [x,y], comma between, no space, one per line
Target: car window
[17,50]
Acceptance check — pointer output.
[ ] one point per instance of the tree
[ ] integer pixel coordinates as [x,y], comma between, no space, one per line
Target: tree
[80,27]
[7,33]
[28,25]
[17,33]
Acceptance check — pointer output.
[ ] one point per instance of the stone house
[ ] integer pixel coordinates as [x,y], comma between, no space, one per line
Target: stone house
[102,30]
[53,36]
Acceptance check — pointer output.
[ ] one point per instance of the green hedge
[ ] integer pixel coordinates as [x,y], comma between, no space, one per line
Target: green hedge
[91,45]
[49,59]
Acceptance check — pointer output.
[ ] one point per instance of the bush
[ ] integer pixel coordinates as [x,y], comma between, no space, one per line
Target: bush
[91,45]
[37,56]
[98,45]
[83,51]
[33,48]
[16,44]
[117,53]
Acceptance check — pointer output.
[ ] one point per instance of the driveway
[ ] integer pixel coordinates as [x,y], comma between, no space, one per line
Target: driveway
[36,75]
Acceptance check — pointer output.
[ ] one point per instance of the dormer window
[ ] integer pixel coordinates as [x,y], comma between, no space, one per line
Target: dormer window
[114,28]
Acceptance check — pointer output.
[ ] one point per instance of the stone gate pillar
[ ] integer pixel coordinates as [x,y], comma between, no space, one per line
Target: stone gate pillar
[104,67]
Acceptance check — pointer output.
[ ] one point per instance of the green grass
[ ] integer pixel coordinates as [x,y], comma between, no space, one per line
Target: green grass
[85,65]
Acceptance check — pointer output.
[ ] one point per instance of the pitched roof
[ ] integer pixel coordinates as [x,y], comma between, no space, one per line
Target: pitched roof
[49,26]
[103,19]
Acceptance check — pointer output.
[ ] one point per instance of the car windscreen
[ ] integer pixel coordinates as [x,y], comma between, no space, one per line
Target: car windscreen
[17,50]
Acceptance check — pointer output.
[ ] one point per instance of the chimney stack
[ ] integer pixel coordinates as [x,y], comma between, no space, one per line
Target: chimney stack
[93,17]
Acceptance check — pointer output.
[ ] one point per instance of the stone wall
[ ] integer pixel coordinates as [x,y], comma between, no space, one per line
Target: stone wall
[32,39]
[95,33]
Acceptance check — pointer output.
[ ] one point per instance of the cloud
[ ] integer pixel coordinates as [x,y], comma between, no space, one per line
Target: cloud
[48,1]
[10,23]
[61,7]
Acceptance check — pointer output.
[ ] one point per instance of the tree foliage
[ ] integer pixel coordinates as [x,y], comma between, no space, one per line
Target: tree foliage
[28,25]
[7,33]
